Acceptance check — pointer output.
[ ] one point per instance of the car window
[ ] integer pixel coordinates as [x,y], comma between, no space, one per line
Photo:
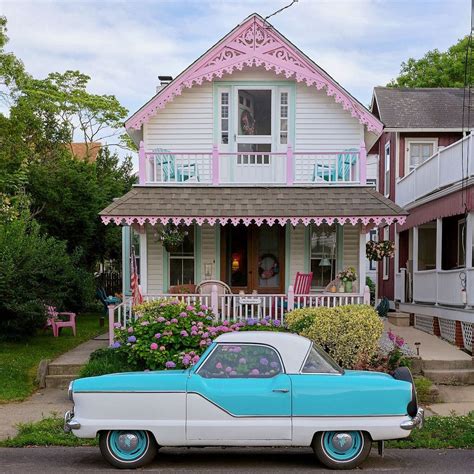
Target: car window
[318,362]
[241,361]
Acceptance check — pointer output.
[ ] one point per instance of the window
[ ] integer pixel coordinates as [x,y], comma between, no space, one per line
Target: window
[241,361]
[372,182]
[181,260]
[373,237]
[255,112]
[283,118]
[386,260]
[387,170]
[323,254]
[135,241]
[318,362]
[427,246]
[419,151]
[224,118]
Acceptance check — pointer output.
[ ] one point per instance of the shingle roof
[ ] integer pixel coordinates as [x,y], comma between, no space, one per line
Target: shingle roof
[255,201]
[421,107]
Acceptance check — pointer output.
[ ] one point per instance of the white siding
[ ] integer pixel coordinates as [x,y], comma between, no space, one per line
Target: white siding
[297,253]
[322,124]
[351,247]
[254,74]
[155,263]
[208,251]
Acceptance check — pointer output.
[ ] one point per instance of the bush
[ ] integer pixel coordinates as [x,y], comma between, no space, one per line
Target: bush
[370,283]
[35,270]
[349,334]
[168,334]
[106,361]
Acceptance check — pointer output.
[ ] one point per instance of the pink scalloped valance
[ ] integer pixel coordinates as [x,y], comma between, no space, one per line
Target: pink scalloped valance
[365,220]
[255,44]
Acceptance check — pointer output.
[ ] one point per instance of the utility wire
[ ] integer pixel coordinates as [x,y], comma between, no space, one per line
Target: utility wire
[280,10]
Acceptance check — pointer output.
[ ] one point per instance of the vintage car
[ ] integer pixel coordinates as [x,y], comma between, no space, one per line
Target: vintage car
[248,389]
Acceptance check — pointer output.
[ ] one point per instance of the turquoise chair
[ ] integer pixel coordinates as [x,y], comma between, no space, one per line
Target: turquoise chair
[345,161]
[182,173]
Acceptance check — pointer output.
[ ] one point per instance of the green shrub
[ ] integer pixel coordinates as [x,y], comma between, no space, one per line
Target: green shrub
[423,389]
[370,283]
[169,333]
[106,361]
[348,333]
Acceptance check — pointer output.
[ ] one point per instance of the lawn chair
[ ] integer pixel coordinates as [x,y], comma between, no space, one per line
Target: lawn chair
[205,288]
[327,172]
[60,319]
[172,172]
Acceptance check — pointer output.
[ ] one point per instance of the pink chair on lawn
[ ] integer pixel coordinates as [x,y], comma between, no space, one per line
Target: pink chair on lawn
[57,323]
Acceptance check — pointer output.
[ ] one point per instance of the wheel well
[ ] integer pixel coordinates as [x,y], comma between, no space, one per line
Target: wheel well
[322,431]
[150,433]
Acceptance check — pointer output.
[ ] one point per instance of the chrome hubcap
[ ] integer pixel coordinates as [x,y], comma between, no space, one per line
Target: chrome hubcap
[342,442]
[127,442]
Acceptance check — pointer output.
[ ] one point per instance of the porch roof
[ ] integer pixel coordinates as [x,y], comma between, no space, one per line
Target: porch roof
[258,204]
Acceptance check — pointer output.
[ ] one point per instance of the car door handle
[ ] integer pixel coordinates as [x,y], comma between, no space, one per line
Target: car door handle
[281,390]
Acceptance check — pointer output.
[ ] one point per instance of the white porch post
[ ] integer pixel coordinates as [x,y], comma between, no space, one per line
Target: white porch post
[469,274]
[415,261]
[362,259]
[143,260]
[439,251]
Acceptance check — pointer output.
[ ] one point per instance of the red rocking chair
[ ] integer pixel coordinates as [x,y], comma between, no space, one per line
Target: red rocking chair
[56,323]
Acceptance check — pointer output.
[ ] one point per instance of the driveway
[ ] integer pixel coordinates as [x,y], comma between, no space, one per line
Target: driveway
[242,460]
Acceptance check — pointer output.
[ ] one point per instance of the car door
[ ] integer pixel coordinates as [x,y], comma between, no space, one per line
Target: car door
[239,392]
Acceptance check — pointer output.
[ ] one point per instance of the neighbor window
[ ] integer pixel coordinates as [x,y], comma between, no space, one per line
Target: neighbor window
[181,260]
[323,254]
[241,361]
[419,151]
[373,237]
[386,260]
[387,170]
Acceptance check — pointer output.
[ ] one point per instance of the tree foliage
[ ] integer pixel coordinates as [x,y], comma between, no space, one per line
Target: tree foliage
[435,69]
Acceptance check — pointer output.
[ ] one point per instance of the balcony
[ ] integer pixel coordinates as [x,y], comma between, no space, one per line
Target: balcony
[446,167]
[318,168]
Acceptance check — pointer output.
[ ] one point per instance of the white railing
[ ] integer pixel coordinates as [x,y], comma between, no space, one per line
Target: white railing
[312,167]
[400,285]
[242,307]
[448,166]
[441,287]
[424,286]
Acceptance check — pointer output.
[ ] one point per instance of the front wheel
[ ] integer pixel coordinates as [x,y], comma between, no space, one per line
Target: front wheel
[342,449]
[127,449]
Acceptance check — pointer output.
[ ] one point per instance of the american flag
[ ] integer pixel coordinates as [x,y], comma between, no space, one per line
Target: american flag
[137,297]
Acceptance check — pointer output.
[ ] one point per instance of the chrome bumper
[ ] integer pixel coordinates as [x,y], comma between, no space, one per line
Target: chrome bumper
[416,422]
[69,422]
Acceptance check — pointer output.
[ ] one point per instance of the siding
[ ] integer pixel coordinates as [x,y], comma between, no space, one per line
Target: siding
[297,253]
[155,263]
[351,246]
[208,251]
[321,124]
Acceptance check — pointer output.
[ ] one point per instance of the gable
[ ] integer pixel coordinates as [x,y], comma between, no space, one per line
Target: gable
[255,43]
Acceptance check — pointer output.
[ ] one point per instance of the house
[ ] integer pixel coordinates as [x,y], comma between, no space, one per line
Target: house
[427,167]
[261,157]
[85,151]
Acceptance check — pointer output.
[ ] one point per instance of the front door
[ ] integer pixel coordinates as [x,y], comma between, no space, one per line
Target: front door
[253,257]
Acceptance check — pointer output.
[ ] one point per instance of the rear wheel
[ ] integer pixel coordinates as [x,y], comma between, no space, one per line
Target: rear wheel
[127,449]
[342,449]
[404,373]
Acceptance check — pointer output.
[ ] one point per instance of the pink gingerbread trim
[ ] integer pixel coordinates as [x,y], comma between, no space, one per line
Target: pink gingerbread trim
[254,44]
[353,220]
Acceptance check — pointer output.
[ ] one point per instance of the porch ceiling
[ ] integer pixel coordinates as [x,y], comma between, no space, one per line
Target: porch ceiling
[257,204]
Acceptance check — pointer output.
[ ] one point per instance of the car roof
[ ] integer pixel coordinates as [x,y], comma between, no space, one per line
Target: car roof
[292,348]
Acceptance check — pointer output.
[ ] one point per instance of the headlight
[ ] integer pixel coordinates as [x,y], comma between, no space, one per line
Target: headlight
[70,392]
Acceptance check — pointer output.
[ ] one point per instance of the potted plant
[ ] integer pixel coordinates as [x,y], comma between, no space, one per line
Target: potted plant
[348,276]
[172,237]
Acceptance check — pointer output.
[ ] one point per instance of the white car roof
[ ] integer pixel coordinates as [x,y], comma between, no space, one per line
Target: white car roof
[292,348]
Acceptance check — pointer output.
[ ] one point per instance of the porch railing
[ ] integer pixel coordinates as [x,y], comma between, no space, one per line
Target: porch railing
[238,307]
[317,168]
[443,287]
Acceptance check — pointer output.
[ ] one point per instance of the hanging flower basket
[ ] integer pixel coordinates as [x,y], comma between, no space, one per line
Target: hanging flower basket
[376,251]
[172,237]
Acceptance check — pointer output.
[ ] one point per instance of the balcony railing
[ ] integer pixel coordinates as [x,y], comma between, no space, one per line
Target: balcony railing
[318,168]
[448,166]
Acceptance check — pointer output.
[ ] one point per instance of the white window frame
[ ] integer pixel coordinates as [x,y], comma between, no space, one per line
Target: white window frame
[373,238]
[461,223]
[386,183]
[417,141]
[183,257]
[221,106]
[386,260]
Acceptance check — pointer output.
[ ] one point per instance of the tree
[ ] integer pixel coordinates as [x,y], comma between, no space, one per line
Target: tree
[435,69]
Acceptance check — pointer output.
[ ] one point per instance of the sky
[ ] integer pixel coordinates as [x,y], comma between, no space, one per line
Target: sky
[125,45]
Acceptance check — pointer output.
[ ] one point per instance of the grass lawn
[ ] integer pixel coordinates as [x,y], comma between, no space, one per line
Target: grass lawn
[439,432]
[19,361]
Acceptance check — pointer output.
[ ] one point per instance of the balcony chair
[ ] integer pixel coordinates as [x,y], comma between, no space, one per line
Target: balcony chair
[327,172]
[180,173]
[56,322]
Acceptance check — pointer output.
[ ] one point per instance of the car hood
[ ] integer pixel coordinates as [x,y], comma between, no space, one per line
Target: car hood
[153,381]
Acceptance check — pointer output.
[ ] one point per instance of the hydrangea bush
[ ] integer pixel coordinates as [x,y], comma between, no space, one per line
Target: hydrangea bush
[169,334]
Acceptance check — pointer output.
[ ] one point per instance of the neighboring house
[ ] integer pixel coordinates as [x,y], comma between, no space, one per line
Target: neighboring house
[372,179]
[427,167]
[83,151]
[262,157]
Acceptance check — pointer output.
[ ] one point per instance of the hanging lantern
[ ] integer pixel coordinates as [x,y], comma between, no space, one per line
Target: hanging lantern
[235,262]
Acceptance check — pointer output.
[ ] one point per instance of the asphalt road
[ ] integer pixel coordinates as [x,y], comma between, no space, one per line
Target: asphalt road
[241,460]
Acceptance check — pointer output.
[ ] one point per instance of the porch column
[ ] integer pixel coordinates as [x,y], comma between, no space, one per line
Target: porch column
[415,261]
[126,260]
[439,251]
[362,258]
[143,259]
[141,164]
[469,272]
[396,260]
[363,163]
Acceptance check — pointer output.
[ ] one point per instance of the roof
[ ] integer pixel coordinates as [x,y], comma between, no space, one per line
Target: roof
[254,43]
[292,348]
[86,150]
[295,203]
[424,108]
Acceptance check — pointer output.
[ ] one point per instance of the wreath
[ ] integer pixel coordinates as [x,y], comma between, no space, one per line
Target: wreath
[247,122]
[266,273]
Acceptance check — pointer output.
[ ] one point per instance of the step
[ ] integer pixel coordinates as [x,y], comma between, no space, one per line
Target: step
[463,364]
[399,319]
[451,377]
[59,381]
[64,369]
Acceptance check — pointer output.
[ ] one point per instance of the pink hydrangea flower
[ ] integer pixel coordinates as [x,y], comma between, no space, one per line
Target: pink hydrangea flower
[203,343]
[195,359]
[184,333]
[162,348]
[204,307]
[117,325]
[174,320]
[130,330]
[144,323]
[194,333]
[167,323]
[183,314]
[200,313]
[190,307]
[153,346]
[161,319]
[157,335]
[254,372]
[170,364]
[219,365]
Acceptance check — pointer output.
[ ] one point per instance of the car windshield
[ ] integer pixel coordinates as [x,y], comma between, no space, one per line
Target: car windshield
[319,362]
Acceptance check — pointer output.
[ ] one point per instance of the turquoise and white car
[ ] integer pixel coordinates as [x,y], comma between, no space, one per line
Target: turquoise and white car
[248,389]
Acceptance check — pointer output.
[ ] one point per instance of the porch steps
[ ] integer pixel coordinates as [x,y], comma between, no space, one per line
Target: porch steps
[449,372]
